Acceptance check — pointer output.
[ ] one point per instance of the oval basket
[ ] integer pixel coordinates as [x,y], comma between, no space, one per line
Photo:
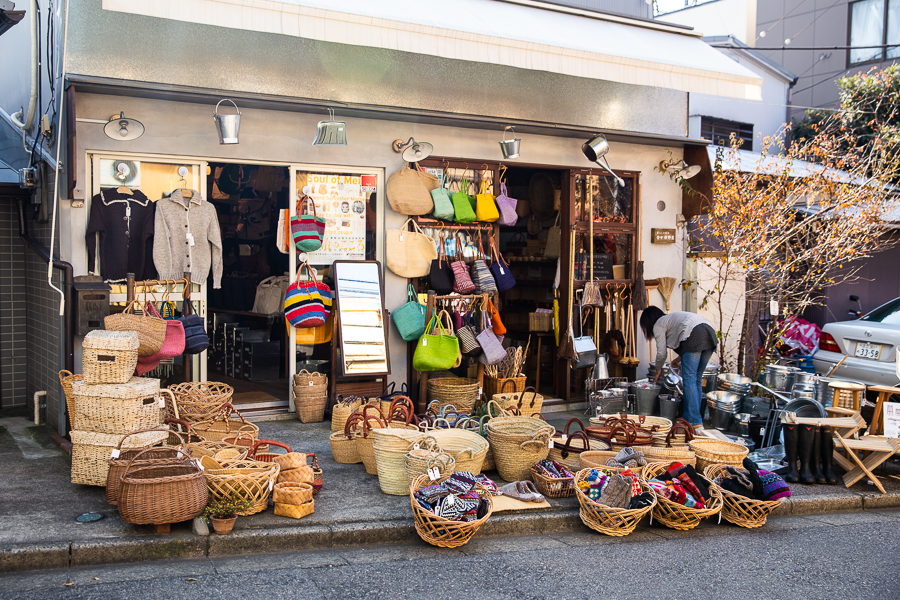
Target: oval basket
[710,452]
[439,531]
[518,443]
[161,493]
[740,510]
[596,459]
[248,479]
[158,454]
[467,448]
[677,516]
[553,487]
[609,520]
[460,392]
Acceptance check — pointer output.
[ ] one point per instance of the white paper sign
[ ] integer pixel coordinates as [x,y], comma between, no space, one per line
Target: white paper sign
[892,419]
[115,453]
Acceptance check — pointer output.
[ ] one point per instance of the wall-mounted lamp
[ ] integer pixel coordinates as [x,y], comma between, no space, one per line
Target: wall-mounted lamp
[331,132]
[120,127]
[510,148]
[412,150]
[595,149]
[679,169]
[227,126]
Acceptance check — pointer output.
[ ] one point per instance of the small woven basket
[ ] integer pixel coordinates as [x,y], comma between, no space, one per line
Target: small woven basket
[567,452]
[677,516]
[711,452]
[248,479]
[460,392]
[109,356]
[292,493]
[681,454]
[295,511]
[439,531]
[553,487]
[342,409]
[502,385]
[310,396]
[161,493]
[91,452]
[740,510]
[302,474]
[343,443]
[427,455]
[201,400]
[117,408]
[66,379]
[607,519]
[318,474]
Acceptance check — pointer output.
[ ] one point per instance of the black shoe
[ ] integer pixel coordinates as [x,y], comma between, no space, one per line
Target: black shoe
[816,460]
[790,432]
[827,451]
[805,441]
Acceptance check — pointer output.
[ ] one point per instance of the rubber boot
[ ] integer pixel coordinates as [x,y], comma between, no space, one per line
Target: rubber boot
[790,432]
[804,449]
[827,451]
[815,459]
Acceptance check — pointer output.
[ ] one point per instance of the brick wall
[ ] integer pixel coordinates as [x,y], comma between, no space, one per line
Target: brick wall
[12,308]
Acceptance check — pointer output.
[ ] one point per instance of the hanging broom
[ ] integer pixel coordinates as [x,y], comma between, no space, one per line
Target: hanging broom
[639,299]
[666,285]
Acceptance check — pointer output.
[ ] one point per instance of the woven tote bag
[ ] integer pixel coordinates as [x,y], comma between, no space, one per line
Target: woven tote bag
[151,330]
[307,303]
[409,253]
[485,205]
[468,335]
[493,352]
[507,207]
[481,274]
[409,190]
[438,348]
[440,278]
[462,281]
[462,204]
[196,340]
[500,270]
[307,230]
[172,346]
[443,203]
[409,319]
[554,237]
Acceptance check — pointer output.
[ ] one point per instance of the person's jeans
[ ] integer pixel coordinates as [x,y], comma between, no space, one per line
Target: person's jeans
[692,366]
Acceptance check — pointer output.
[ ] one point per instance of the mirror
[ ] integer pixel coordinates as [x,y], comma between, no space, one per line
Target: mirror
[360,312]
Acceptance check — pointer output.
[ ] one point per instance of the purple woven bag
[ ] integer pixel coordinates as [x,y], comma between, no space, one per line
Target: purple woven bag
[507,207]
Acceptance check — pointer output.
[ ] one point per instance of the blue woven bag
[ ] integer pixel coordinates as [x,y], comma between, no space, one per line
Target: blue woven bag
[409,319]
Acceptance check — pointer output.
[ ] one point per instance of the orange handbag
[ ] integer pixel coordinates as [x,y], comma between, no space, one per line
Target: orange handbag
[496,324]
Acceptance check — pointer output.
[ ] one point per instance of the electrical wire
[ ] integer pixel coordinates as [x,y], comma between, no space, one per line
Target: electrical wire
[758,36]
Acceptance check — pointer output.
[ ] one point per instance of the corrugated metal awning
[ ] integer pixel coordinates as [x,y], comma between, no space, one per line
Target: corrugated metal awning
[522,34]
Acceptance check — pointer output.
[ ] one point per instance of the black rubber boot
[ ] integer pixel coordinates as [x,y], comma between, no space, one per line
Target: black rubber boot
[815,460]
[827,451]
[805,441]
[790,432]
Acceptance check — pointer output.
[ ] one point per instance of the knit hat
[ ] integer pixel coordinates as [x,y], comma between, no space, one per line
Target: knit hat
[734,486]
[741,477]
[641,500]
[617,492]
[460,482]
[689,472]
[635,486]
[753,474]
[774,487]
[692,490]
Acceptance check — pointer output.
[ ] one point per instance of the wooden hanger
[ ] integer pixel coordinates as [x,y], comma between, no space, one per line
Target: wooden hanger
[123,189]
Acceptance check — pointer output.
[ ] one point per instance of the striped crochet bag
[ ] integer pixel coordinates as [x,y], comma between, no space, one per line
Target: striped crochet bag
[307,230]
[307,303]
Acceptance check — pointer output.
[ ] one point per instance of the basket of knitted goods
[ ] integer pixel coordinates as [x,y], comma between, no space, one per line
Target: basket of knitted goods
[568,445]
[553,479]
[612,503]
[616,461]
[684,497]
[449,510]
[749,494]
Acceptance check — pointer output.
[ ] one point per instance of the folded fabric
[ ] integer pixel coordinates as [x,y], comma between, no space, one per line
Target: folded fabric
[741,477]
[641,500]
[734,486]
[432,493]
[460,482]
[753,475]
[487,483]
[450,508]
[677,489]
[774,487]
[617,492]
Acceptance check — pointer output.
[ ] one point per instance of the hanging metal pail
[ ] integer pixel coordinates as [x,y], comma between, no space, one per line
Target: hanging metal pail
[510,148]
[227,126]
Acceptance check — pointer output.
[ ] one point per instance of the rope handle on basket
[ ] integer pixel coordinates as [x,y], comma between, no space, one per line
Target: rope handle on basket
[429,409]
[442,461]
[460,453]
[187,463]
[315,461]
[426,443]
[63,375]
[404,404]
[503,412]
[567,448]
[434,423]
[253,448]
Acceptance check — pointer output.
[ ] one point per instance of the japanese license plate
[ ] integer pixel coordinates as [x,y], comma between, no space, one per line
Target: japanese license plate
[867,350]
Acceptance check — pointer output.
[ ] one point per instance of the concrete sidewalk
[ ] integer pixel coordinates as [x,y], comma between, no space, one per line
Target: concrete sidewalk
[38,505]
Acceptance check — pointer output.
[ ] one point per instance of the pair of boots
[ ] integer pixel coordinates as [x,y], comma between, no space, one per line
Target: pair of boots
[814,447]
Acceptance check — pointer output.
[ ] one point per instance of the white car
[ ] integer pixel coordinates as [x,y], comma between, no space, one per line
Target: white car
[869,344]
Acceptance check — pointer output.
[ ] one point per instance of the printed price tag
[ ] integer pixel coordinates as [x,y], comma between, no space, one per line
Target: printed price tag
[773,307]
[433,473]
[401,237]
[480,392]
[115,453]
[179,455]
[190,239]
[564,436]
[310,384]
[162,402]
[424,341]
[502,272]
[551,444]
[451,500]
[415,446]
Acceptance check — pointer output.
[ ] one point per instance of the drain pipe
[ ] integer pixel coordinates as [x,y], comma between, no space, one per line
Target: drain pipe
[20,120]
[38,405]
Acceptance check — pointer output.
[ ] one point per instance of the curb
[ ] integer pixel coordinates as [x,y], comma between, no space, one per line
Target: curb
[61,555]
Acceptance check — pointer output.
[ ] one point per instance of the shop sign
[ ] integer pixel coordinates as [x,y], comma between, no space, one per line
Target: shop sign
[662,236]
[341,201]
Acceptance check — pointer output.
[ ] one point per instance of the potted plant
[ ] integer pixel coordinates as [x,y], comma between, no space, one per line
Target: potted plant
[222,512]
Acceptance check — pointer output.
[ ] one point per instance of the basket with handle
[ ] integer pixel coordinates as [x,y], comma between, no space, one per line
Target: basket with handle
[120,459]
[553,487]
[390,447]
[343,443]
[440,531]
[518,443]
[679,435]
[260,451]
[248,479]
[502,385]
[342,409]
[681,454]
[366,440]
[678,516]
[740,510]
[527,402]
[310,396]
[66,379]
[569,457]
[596,459]
[629,436]
[467,448]
[609,520]
[318,474]
[151,330]
[91,452]
[711,451]
[117,408]
[160,493]
[460,392]
[223,427]
[425,454]
[201,400]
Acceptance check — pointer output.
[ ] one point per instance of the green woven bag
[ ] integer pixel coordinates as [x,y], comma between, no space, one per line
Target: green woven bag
[438,348]
[409,319]
[463,208]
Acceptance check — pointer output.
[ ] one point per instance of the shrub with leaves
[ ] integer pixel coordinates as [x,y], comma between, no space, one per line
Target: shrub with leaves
[226,508]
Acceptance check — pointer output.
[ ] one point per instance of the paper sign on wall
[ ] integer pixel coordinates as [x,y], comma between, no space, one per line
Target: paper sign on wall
[892,419]
[341,201]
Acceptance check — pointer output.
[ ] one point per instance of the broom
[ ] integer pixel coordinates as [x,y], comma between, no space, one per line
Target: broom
[666,285]
[567,346]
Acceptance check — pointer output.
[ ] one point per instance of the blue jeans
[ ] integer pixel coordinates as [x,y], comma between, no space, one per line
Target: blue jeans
[692,366]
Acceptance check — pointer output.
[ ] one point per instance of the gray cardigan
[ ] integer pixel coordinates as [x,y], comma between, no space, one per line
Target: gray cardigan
[187,239]
[671,330]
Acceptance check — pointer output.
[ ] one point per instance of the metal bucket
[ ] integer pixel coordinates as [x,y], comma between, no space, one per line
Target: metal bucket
[778,377]
[647,400]
[510,148]
[227,126]
[669,407]
[805,378]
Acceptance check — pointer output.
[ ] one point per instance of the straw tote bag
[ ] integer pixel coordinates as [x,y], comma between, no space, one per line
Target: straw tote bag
[307,303]
[172,346]
[409,253]
[307,230]
[554,238]
[443,203]
[438,348]
[409,190]
[485,205]
[462,204]
[151,330]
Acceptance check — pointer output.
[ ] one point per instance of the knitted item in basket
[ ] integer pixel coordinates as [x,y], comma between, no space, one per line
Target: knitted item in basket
[91,452]
[295,511]
[249,479]
[109,356]
[605,519]
[441,531]
[292,493]
[161,493]
[117,408]
[738,509]
[675,515]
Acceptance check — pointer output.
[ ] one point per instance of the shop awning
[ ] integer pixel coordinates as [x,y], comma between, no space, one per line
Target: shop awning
[515,33]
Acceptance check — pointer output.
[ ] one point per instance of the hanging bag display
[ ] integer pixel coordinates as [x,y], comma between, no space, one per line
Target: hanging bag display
[485,204]
[173,345]
[496,324]
[462,282]
[438,348]
[492,349]
[270,295]
[307,303]
[507,207]
[554,238]
[462,204]
[307,230]
[440,278]
[196,339]
[502,275]
[409,190]
[409,319]
[443,203]
[151,330]
[468,334]
[481,274]
[409,253]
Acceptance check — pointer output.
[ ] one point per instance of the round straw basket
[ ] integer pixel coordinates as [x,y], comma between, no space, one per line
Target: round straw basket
[157,455]
[248,479]
[460,392]
[161,493]
[292,493]
[710,452]
[117,408]
[740,510]
[607,519]
[439,531]
[418,461]
[66,379]
[310,396]
[467,448]
[91,452]
[201,400]
[681,454]
[553,487]
[518,443]
[343,446]
[109,356]
[677,516]
[390,448]
[200,449]
[342,409]
[596,459]
[567,453]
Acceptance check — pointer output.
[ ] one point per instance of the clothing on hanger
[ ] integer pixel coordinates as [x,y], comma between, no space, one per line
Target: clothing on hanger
[124,225]
[188,238]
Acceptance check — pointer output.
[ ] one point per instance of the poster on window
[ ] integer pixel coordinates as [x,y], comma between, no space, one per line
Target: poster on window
[341,201]
[892,419]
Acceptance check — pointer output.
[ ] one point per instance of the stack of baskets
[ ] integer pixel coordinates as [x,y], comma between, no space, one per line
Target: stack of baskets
[108,403]
[467,448]
[293,499]
[310,396]
[426,455]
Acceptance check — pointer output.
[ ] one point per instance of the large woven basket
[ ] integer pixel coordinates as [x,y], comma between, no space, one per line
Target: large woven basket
[390,447]
[467,448]
[502,385]
[518,443]
[711,452]
[310,396]
[117,408]
[460,392]
[109,356]
[151,330]
[427,455]
[553,487]
[439,531]
[596,459]
[200,449]
[122,458]
[201,400]
[217,430]
[161,492]
[677,516]
[248,479]
[527,402]
[343,443]
[681,454]
[568,445]
[607,519]
[342,409]
[741,510]
[374,419]
[66,379]
[91,452]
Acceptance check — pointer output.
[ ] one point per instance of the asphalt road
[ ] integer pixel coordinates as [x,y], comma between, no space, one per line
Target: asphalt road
[844,555]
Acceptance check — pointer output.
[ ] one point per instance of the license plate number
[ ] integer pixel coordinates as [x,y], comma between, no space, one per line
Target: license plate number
[867,350]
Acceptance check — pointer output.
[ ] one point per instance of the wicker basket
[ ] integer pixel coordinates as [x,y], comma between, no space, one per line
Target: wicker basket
[502,385]
[390,447]
[553,487]
[427,455]
[681,454]
[467,448]
[310,396]
[342,409]
[295,511]
[596,459]
[565,451]
[91,452]
[662,425]
[292,493]
[66,379]
[161,493]
[109,356]
[217,430]
[302,474]
[343,443]
[117,408]
[740,510]
[439,531]
[679,435]
[248,479]
[200,449]
[711,451]
[151,330]
[460,392]
[527,402]
[201,400]
[607,519]
[677,516]
[518,443]
[158,455]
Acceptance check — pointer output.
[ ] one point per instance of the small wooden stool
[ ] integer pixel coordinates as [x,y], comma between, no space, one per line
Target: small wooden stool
[847,395]
[884,393]
[881,448]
